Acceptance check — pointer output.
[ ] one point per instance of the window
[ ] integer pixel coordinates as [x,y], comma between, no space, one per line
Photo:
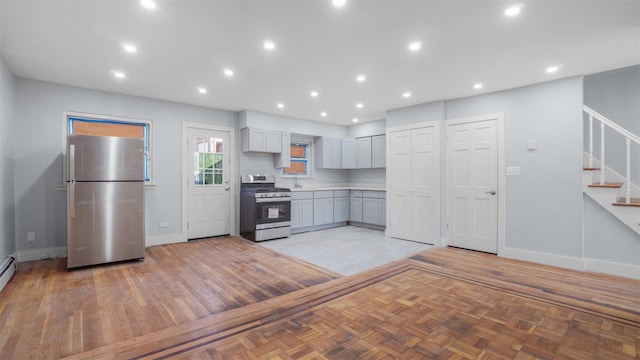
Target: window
[300,160]
[208,159]
[99,126]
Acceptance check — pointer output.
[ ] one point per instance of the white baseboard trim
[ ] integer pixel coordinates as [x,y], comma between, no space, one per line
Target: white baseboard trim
[543,258]
[42,253]
[164,240]
[612,268]
[590,265]
[10,270]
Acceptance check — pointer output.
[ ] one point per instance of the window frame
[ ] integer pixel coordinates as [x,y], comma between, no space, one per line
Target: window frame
[309,158]
[148,131]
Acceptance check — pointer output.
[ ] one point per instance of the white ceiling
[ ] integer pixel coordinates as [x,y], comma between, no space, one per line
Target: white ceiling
[186,44]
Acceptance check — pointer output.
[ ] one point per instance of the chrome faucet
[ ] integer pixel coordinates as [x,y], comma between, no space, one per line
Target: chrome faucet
[296,184]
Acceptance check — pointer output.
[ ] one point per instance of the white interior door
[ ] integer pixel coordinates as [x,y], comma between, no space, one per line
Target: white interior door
[472,184]
[208,195]
[413,179]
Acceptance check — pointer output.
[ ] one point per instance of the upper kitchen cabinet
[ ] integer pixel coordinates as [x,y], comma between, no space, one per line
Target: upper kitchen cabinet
[363,152]
[283,160]
[261,140]
[348,154]
[378,151]
[371,152]
[328,153]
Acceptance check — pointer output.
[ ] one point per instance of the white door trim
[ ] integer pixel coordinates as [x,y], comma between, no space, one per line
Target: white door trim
[232,172]
[501,170]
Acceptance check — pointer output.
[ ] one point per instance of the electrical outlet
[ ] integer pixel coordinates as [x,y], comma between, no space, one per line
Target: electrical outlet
[31,236]
[164,224]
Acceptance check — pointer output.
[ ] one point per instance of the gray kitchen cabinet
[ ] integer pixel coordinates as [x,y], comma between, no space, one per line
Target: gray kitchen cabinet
[322,207]
[363,152]
[374,207]
[283,160]
[327,153]
[341,205]
[378,151]
[261,140]
[301,209]
[348,154]
[355,206]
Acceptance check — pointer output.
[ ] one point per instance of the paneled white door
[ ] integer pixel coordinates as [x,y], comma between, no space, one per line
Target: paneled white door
[472,184]
[413,192]
[208,168]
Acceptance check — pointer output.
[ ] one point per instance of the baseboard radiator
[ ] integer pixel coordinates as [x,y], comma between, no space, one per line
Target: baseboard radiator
[7,269]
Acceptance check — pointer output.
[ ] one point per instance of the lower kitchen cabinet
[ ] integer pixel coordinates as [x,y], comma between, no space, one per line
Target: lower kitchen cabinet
[341,205]
[374,207]
[322,207]
[301,209]
[355,208]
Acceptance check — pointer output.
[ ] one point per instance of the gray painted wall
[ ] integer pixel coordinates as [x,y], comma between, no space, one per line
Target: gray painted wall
[432,111]
[543,204]
[40,207]
[7,136]
[616,95]
[607,238]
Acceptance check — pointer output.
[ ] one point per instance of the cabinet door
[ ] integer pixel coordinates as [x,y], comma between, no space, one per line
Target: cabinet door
[363,152]
[283,160]
[335,153]
[383,212]
[341,209]
[273,140]
[355,209]
[307,212]
[296,214]
[348,154]
[253,139]
[370,211]
[378,151]
[327,211]
[318,211]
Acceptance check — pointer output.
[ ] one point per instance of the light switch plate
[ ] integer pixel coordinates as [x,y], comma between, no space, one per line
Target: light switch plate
[531,145]
[513,170]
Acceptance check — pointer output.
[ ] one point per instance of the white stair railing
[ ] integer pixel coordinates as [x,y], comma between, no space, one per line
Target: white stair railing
[629,137]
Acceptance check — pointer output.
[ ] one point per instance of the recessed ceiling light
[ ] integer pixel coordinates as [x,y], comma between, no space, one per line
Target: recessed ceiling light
[415,46]
[323,114]
[118,74]
[228,72]
[339,3]
[202,90]
[406,94]
[149,4]
[281,105]
[355,120]
[359,105]
[552,69]
[314,94]
[129,48]
[361,78]
[478,86]
[269,45]
[513,10]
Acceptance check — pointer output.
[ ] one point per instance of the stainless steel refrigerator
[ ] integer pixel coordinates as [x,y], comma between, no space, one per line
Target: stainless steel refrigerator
[105,199]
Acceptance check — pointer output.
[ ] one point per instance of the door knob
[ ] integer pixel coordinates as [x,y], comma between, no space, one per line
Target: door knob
[492,192]
[226,189]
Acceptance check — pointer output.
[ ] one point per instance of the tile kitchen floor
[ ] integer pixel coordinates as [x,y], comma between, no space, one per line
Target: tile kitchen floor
[345,250]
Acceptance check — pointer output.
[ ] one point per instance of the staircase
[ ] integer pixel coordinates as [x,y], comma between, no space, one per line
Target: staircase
[613,191]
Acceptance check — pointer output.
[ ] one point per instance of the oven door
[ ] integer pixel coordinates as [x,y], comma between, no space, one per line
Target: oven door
[273,213]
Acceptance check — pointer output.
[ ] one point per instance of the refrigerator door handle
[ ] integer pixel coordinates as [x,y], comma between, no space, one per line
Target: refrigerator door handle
[72,181]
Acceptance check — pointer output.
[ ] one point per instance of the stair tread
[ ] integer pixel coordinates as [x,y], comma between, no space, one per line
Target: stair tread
[622,202]
[615,185]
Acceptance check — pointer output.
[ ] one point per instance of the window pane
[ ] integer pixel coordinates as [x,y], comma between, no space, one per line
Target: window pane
[298,151]
[297,167]
[209,165]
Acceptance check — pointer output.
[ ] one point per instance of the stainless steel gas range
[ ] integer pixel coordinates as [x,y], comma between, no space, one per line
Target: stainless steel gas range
[265,210]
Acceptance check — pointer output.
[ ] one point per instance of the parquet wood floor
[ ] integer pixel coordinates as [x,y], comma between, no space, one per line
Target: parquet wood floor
[440,304]
[49,312]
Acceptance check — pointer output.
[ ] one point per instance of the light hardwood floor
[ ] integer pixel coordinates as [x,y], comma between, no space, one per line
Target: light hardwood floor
[229,298]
